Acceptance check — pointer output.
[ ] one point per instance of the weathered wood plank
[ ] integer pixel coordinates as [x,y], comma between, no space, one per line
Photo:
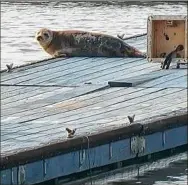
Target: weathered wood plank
[180,81]
[166,79]
[129,73]
[66,107]
[24,110]
[61,134]
[17,90]
[5,89]
[97,96]
[106,75]
[139,118]
[39,94]
[94,113]
[78,104]
[68,93]
[139,79]
[11,91]
[63,70]
[71,74]
[32,69]
[112,109]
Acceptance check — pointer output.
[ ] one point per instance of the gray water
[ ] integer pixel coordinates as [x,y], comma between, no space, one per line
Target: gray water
[171,170]
[20,21]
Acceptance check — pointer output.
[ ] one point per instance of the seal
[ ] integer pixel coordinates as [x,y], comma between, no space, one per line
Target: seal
[76,43]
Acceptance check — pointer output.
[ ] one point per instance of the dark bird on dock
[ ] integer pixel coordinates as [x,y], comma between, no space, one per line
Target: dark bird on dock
[70,132]
[162,55]
[121,36]
[9,67]
[131,118]
[170,56]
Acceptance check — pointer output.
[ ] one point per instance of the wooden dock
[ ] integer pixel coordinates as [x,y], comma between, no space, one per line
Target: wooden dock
[93,1]
[95,96]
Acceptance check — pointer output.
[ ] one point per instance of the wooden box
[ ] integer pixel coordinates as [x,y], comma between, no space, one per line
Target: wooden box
[164,34]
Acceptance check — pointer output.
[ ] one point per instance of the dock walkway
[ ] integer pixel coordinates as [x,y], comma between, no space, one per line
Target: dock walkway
[93,95]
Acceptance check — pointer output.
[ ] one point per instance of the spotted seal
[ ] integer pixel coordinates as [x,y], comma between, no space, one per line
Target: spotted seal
[76,43]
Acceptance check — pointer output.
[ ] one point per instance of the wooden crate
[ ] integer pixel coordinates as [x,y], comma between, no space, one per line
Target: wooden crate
[164,34]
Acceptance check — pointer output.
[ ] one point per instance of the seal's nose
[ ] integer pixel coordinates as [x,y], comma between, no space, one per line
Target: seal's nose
[39,38]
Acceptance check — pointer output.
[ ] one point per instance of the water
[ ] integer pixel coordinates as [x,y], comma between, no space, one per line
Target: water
[19,23]
[172,170]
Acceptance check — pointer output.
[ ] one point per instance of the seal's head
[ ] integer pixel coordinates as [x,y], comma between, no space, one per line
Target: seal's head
[44,37]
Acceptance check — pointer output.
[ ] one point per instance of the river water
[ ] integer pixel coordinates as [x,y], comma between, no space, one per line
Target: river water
[172,170]
[20,21]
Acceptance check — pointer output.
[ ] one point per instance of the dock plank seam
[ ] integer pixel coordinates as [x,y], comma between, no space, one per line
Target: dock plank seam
[81,126]
[100,93]
[59,61]
[93,96]
[109,110]
[62,68]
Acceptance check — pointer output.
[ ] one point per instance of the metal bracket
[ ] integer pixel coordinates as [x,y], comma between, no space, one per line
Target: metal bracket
[82,157]
[44,167]
[110,150]
[21,175]
[138,144]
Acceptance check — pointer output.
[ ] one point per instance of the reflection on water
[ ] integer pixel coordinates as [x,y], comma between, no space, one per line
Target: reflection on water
[168,171]
[20,21]
[175,174]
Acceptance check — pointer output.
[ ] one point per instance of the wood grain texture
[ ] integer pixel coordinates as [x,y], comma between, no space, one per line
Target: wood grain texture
[39,101]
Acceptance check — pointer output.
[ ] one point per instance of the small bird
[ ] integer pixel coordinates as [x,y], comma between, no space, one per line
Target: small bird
[70,132]
[171,55]
[9,67]
[162,55]
[121,36]
[131,118]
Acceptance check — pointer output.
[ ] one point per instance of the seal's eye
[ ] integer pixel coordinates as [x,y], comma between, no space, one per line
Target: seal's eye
[46,35]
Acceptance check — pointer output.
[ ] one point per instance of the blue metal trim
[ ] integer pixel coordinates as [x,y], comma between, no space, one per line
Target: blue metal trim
[6,177]
[176,137]
[84,159]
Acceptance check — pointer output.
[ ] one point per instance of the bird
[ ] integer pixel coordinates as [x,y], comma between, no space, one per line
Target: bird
[131,118]
[171,55]
[9,67]
[162,55]
[121,36]
[70,132]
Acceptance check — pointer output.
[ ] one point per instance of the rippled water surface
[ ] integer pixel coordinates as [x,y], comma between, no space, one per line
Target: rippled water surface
[167,171]
[19,22]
